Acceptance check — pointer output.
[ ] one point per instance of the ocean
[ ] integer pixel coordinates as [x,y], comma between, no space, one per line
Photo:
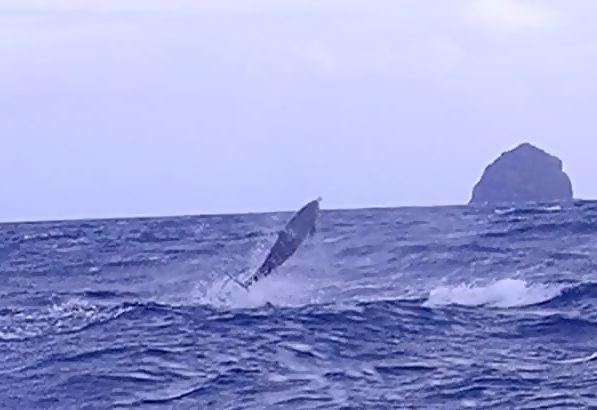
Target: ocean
[405,308]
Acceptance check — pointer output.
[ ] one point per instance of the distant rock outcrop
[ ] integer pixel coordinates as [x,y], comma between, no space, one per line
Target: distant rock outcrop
[524,174]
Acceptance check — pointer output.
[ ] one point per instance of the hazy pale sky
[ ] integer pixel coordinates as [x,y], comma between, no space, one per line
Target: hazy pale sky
[147,107]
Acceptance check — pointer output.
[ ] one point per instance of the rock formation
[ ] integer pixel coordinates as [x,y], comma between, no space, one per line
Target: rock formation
[524,174]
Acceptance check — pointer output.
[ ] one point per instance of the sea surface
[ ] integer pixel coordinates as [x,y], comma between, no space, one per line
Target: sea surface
[409,308]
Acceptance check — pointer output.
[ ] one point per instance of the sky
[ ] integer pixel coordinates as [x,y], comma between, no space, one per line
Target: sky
[119,108]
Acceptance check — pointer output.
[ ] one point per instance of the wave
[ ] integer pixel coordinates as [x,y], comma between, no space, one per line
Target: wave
[504,293]
[529,211]
[574,227]
[71,316]
[578,360]
[573,294]
[52,235]
[299,298]
[551,325]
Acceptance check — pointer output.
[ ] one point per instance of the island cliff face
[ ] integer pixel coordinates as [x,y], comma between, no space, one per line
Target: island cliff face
[524,174]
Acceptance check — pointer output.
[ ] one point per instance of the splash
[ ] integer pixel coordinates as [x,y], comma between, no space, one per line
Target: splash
[301,281]
[281,290]
[503,293]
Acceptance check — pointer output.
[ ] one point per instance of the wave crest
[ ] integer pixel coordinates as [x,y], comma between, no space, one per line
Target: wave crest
[502,293]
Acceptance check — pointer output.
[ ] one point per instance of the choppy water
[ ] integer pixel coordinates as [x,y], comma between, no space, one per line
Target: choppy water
[429,308]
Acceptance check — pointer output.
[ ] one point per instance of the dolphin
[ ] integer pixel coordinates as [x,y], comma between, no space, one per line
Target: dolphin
[301,225]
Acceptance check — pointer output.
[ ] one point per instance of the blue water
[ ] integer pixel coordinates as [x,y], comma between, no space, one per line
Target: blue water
[428,308]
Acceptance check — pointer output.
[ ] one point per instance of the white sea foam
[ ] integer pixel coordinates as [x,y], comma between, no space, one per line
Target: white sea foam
[279,290]
[69,315]
[502,293]
[580,359]
[507,211]
[504,211]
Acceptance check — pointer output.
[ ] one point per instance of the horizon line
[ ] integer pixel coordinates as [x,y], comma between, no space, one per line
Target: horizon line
[232,213]
[210,213]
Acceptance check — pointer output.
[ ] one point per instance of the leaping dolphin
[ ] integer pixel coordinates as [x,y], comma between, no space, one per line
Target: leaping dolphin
[301,225]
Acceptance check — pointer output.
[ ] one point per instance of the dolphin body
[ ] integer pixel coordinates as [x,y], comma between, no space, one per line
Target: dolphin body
[301,225]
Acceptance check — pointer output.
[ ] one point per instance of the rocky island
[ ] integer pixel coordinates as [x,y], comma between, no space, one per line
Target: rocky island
[524,174]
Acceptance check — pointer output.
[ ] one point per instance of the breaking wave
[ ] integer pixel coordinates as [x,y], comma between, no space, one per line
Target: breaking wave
[502,293]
